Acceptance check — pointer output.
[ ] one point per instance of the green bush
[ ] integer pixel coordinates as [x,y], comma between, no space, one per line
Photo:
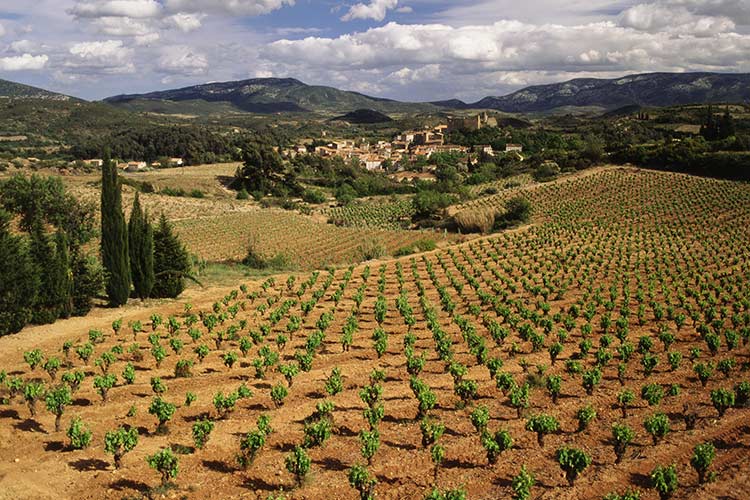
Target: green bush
[165,463]
[119,442]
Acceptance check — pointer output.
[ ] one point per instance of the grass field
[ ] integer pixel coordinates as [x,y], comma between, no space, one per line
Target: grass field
[626,282]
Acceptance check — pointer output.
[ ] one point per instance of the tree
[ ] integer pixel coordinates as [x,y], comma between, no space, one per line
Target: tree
[141,247]
[703,456]
[114,238]
[171,262]
[250,445]
[572,461]
[56,401]
[33,392]
[119,442]
[19,280]
[166,463]
[664,481]
[163,411]
[722,399]
[47,305]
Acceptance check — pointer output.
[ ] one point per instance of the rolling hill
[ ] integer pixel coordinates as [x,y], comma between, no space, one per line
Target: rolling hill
[13,90]
[263,95]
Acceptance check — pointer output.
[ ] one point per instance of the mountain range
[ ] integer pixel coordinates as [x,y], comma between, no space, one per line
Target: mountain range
[288,95]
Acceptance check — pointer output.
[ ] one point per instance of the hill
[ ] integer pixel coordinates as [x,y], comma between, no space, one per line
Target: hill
[13,90]
[364,116]
[265,96]
[653,89]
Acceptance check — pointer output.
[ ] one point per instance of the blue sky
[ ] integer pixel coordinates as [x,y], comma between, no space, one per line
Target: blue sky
[404,49]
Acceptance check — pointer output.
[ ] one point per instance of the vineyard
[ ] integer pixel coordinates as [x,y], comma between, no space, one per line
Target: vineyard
[601,351]
[379,213]
[308,243]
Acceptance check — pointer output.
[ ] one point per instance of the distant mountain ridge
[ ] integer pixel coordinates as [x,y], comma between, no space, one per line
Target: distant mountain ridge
[651,89]
[13,90]
[271,95]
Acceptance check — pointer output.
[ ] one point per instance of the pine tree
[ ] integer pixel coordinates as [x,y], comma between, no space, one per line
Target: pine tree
[19,281]
[141,246]
[171,262]
[115,254]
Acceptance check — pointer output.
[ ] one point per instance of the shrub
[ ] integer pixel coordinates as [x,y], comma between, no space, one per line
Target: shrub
[298,464]
[317,433]
[664,481]
[622,436]
[201,432]
[479,419]
[542,424]
[522,484]
[495,444]
[165,463]
[369,444]
[703,456]
[517,211]
[225,404]
[334,383]
[79,434]
[163,411]
[119,442]
[572,461]
[722,399]
[278,394]
[56,401]
[128,373]
[314,196]
[585,416]
[250,445]
[360,480]
[652,393]
[431,430]
[658,426]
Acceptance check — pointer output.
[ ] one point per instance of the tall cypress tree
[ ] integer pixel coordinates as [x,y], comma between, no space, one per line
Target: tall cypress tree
[115,257]
[141,245]
[47,305]
[171,262]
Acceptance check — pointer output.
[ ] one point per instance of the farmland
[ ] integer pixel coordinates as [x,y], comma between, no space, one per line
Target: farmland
[623,305]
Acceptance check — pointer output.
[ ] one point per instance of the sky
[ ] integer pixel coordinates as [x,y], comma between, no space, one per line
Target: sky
[417,50]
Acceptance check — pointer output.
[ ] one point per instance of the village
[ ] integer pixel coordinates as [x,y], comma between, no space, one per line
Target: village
[406,147]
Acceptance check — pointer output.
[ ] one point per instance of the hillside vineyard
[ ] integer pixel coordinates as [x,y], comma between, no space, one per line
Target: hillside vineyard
[629,282]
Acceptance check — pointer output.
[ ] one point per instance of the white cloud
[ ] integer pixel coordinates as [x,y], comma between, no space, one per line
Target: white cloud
[116,8]
[107,57]
[658,17]
[237,7]
[184,22]
[25,62]
[122,26]
[182,60]
[376,10]
[25,47]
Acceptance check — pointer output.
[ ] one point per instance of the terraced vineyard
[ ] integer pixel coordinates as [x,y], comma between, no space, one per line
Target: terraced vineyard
[606,340]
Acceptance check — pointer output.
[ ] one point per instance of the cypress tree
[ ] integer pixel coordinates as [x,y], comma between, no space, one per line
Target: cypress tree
[19,281]
[141,245]
[114,248]
[64,278]
[47,304]
[171,262]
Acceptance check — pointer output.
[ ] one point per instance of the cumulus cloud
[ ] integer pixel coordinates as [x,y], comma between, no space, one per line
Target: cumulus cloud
[107,57]
[25,62]
[512,45]
[657,17]
[376,10]
[184,22]
[182,60]
[237,7]
[116,8]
